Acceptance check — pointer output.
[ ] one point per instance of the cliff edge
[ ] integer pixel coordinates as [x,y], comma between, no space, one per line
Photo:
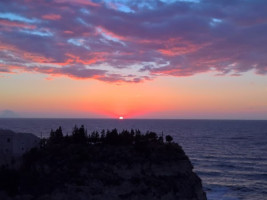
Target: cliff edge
[110,165]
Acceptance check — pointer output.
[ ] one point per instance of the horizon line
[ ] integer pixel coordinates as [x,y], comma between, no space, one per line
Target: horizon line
[103,118]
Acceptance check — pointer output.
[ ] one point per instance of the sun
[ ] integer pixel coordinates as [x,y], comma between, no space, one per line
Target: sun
[121,117]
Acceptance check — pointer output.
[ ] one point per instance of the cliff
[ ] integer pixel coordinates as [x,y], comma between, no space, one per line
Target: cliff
[69,168]
[13,145]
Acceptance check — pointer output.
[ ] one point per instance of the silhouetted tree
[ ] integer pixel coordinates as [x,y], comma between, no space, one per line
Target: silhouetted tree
[112,137]
[160,139]
[125,138]
[134,137]
[168,138]
[79,135]
[103,136]
[138,137]
[151,136]
[56,136]
[52,133]
[58,132]
[94,137]
[43,143]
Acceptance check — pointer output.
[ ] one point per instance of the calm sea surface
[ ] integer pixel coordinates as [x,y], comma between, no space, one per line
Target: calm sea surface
[229,156]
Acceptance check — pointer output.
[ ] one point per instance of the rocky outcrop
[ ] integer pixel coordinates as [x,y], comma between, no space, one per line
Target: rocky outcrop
[13,145]
[76,171]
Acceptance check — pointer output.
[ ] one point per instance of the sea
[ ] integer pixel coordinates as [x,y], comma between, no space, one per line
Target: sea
[230,156]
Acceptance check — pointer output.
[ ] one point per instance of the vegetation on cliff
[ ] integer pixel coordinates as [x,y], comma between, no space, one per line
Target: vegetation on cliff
[105,165]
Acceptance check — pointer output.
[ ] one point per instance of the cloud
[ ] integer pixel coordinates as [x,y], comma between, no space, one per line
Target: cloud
[133,41]
[51,17]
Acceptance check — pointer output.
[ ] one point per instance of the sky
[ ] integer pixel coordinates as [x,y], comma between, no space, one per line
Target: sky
[166,59]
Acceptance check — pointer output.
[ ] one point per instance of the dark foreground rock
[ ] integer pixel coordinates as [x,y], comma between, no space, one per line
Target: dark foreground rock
[13,145]
[129,166]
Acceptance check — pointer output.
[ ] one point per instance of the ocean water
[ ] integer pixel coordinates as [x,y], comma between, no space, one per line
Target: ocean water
[229,156]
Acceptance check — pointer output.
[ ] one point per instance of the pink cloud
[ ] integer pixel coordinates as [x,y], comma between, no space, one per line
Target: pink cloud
[51,16]
[100,42]
[82,2]
[7,23]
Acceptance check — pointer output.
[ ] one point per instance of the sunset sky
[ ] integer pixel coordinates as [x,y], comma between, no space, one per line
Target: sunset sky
[170,59]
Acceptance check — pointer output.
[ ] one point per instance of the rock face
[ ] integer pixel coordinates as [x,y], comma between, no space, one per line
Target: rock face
[77,171]
[13,145]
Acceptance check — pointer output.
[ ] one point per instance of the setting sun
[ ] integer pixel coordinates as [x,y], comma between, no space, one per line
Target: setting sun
[120,117]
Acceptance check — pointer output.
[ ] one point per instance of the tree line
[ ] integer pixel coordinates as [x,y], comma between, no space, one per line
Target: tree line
[110,137]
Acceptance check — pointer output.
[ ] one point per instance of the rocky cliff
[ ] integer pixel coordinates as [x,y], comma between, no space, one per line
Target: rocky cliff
[13,145]
[73,169]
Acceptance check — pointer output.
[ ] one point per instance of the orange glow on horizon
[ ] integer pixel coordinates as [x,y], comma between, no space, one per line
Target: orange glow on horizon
[161,98]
